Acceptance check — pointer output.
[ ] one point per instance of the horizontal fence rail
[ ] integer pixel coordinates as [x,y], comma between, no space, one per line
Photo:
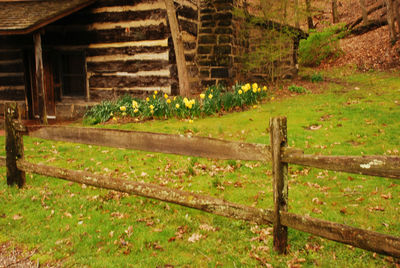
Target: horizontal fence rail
[373,241]
[155,142]
[278,154]
[382,166]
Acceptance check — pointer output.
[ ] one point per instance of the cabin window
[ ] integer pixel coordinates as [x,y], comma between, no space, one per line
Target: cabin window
[73,74]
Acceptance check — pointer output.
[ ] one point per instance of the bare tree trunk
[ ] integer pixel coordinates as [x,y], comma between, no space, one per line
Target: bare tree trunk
[335,18]
[397,14]
[364,12]
[309,15]
[184,87]
[296,14]
[390,19]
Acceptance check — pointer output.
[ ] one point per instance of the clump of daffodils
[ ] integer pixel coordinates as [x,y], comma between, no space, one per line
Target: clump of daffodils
[160,105]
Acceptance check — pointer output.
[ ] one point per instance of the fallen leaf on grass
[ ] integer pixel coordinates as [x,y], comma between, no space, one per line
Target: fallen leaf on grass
[17,217]
[67,214]
[376,208]
[195,237]
[386,196]
[206,227]
[343,210]
[317,210]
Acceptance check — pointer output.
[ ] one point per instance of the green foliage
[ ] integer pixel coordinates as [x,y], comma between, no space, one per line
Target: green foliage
[321,45]
[316,77]
[161,106]
[298,89]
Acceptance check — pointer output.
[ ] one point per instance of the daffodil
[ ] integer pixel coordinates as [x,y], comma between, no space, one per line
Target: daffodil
[154,97]
[136,110]
[265,88]
[166,96]
[254,106]
[210,96]
[134,104]
[240,92]
[177,106]
[122,108]
[151,107]
[254,86]
[111,114]
[123,114]
[254,90]
[174,98]
[202,96]
[259,89]
[272,98]
[147,99]
[155,92]
[190,121]
[168,101]
[114,118]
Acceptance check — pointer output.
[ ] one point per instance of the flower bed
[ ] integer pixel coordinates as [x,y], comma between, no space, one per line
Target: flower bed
[161,106]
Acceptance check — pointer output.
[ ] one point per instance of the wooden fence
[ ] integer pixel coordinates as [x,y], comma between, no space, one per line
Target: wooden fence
[277,153]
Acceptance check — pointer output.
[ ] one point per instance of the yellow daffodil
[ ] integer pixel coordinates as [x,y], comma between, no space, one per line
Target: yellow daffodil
[190,121]
[175,98]
[151,107]
[177,106]
[265,88]
[111,114]
[202,96]
[136,110]
[135,104]
[147,99]
[122,108]
[123,114]
[210,96]
[114,118]
[155,92]
[165,96]
[254,86]
[272,98]
[240,92]
[154,97]
[168,101]
[259,89]
[254,90]
[254,106]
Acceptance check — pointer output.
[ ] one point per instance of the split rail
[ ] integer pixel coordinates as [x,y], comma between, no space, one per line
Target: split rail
[278,153]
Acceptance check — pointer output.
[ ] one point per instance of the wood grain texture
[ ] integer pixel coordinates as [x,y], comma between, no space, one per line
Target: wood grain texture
[372,241]
[278,136]
[14,146]
[382,166]
[187,199]
[155,142]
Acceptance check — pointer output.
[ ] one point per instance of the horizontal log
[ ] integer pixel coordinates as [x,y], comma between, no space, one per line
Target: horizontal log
[88,18]
[10,55]
[111,3]
[12,67]
[153,32]
[155,142]
[12,95]
[125,50]
[2,161]
[12,80]
[123,81]
[372,241]
[381,243]
[132,66]
[100,94]
[187,199]
[382,166]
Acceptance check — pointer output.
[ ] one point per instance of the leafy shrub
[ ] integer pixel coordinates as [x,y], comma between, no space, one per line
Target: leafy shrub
[321,45]
[161,106]
[298,89]
[317,77]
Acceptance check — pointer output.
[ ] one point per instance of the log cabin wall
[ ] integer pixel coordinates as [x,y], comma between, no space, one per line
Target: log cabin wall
[126,45]
[12,83]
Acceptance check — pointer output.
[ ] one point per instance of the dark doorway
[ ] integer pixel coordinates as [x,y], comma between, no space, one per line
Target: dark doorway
[73,74]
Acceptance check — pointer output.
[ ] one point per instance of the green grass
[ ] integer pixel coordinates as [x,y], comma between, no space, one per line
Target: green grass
[75,225]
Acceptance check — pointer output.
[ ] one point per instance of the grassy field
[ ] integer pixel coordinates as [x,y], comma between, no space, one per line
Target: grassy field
[76,226]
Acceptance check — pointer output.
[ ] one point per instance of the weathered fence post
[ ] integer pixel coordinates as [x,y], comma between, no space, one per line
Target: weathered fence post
[14,146]
[278,135]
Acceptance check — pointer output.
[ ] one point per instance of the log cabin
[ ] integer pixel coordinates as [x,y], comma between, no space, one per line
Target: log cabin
[57,57]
